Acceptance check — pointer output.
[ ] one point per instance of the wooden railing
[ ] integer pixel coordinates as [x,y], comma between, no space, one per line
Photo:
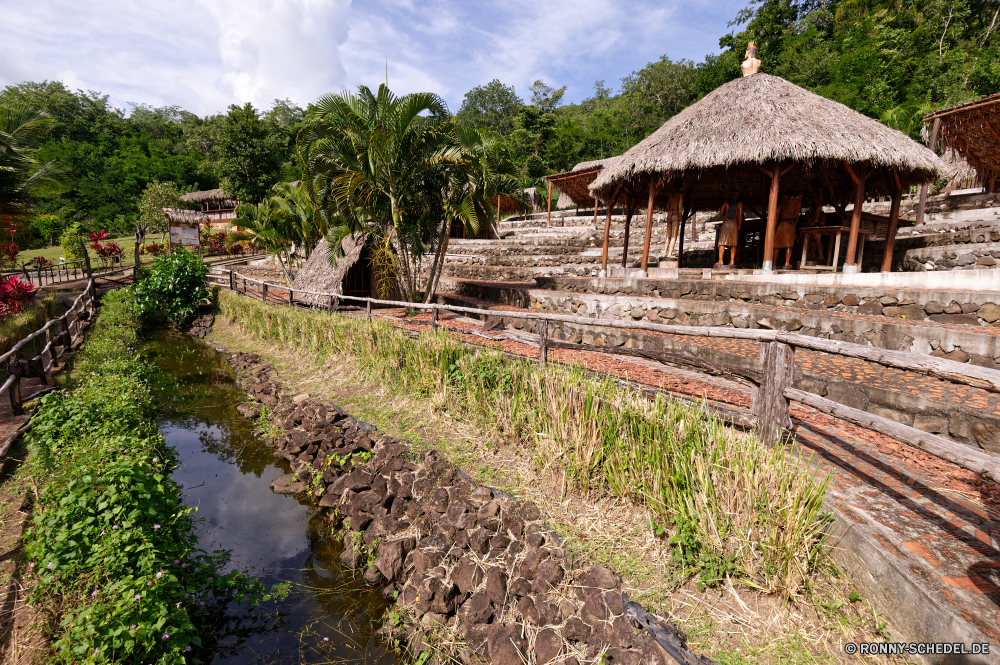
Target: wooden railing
[64,272]
[49,343]
[772,384]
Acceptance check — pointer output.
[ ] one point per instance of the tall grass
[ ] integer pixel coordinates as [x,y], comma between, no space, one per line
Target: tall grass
[734,505]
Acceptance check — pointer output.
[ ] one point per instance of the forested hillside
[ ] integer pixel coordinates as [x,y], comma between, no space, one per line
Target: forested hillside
[891,59]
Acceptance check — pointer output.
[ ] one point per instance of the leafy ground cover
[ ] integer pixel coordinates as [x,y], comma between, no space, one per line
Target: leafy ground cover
[111,547]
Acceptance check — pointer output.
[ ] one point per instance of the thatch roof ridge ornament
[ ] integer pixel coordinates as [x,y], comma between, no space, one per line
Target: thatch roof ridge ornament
[788,124]
[751,65]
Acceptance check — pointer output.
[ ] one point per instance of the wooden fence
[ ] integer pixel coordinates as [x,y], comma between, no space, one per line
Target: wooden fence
[64,272]
[772,385]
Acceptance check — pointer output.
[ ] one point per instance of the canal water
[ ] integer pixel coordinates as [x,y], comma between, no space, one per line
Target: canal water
[330,615]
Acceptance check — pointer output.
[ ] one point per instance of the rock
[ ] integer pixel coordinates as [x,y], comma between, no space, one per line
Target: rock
[519,587]
[953,308]
[594,605]
[248,411]
[372,576]
[576,630]
[871,308]
[478,609]
[851,300]
[496,585]
[526,606]
[356,481]
[959,319]
[548,576]
[476,636]
[425,559]
[287,484]
[467,574]
[391,554]
[351,558]
[933,307]
[598,577]
[547,647]
[531,562]
[298,399]
[479,541]
[911,312]
[930,423]
[435,595]
[529,512]
[989,312]
[505,645]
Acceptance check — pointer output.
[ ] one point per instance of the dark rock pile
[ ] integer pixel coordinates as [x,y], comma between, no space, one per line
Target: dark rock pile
[458,557]
[202,325]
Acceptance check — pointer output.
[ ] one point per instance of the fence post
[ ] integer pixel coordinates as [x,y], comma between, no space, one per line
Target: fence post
[368,309]
[86,258]
[291,300]
[543,342]
[232,280]
[14,369]
[263,292]
[434,319]
[40,366]
[329,307]
[769,404]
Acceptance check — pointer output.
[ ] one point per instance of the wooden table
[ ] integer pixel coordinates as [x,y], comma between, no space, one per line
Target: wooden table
[837,232]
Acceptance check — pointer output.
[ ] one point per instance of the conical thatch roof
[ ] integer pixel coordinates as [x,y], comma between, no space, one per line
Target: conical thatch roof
[217,196]
[320,275]
[604,163]
[719,141]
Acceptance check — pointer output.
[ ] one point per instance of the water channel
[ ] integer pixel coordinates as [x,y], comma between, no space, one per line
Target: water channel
[225,470]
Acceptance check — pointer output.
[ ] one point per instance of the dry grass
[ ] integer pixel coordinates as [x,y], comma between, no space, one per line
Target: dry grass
[734,625]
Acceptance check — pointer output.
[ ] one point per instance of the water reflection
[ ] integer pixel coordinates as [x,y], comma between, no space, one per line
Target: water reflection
[330,615]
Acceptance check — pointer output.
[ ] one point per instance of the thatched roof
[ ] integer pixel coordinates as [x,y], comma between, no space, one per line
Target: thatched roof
[217,196]
[573,185]
[961,174]
[321,275]
[973,129]
[185,216]
[717,144]
[534,199]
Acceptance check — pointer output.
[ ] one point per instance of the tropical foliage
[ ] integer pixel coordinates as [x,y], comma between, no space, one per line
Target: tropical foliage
[22,175]
[400,169]
[174,286]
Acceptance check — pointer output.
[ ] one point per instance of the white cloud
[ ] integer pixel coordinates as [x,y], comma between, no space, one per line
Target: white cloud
[206,54]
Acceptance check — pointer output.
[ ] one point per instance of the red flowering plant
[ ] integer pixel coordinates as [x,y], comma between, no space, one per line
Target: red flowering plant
[39,262]
[107,252]
[16,294]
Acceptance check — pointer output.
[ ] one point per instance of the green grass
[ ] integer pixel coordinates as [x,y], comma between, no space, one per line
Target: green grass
[16,328]
[734,506]
[55,252]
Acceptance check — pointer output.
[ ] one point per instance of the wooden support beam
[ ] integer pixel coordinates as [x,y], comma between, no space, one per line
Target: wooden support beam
[629,209]
[967,457]
[548,204]
[607,228]
[850,259]
[654,189]
[922,203]
[434,318]
[890,232]
[772,218]
[595,213]
[543,342]
[769,403]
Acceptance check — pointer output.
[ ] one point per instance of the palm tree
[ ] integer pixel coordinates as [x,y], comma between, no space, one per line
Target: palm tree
[309,222]
[366,157]
[21,175]
[380,165]
[266,225]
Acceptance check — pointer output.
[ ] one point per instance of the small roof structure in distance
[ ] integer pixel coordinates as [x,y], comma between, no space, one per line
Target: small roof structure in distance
[973,130]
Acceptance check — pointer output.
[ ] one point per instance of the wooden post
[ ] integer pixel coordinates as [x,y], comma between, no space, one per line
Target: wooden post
[330,306]
[595,213]
[922,203]
[769,404]
[629,207]
[136,253]
[232,280]
[291,300]
[548,212]
[263,292]
[654,189]
[40,362]
[86,258]
[850,259]
[50,344]
[772,219]
[543,342]
[890,232]
[368,309]
[14,369]
[607,229]
[434,319]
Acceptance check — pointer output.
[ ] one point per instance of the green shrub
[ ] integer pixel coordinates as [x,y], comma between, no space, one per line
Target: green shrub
[173,286]
[70,242]
[111,544]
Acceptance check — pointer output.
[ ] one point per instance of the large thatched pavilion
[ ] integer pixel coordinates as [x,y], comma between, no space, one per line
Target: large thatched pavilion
[573,185]
[218,207]
[761,135]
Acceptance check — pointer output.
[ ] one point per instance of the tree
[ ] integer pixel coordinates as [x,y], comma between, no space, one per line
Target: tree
[380,165]
[21,174]
[250,155]
[493,106]
[546,98]
[659,91]
[156,197]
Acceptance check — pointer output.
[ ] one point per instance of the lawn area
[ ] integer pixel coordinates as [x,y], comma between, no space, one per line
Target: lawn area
[53,253]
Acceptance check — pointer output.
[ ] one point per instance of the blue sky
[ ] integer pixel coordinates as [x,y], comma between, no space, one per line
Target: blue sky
[203,55]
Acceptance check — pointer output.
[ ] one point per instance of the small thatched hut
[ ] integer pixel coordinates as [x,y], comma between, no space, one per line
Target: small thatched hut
[760,134]
[573,184]
[350,275]
[218,206]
